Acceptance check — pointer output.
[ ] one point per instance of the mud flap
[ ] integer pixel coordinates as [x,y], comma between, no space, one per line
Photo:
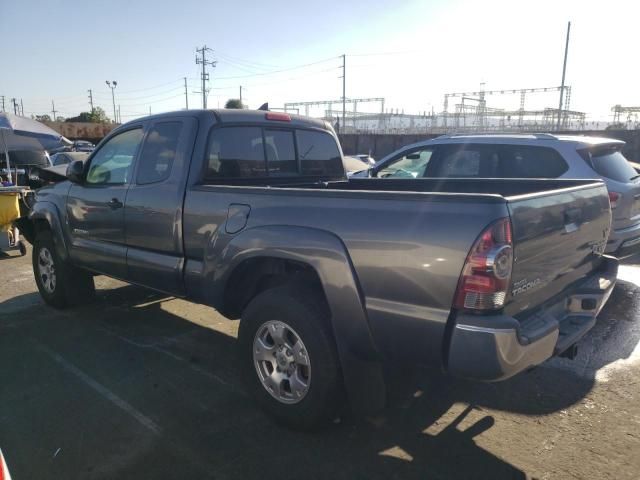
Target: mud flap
[25,225]
[364,383]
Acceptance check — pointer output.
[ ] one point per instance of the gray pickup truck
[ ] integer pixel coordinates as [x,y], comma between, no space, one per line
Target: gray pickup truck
[251,212]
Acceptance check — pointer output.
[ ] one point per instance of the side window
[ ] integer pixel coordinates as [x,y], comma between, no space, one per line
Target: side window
[520,161]
[158,153]
[411,165]
[281,154]
[235,152]
[112,164]
[319,154]
[460,161]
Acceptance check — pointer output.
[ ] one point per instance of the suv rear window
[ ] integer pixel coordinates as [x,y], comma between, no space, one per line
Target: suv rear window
[610,163]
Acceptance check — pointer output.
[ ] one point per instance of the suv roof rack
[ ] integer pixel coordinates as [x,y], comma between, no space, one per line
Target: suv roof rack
[540,136]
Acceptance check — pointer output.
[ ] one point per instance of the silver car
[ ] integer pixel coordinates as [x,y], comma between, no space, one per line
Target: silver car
[529,156]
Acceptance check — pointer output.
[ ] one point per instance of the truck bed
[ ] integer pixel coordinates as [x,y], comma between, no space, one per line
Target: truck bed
[408,239]
[486,186]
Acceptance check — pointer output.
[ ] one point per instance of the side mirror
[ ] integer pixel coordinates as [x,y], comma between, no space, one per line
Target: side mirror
[75,171]
[413,156]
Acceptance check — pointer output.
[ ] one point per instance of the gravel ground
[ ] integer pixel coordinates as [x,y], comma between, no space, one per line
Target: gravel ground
[138,385]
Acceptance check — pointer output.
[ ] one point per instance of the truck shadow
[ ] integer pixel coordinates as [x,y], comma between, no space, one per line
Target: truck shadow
[424,431]
[430,428]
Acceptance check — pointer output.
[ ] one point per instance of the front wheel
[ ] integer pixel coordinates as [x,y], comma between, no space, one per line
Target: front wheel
[288,357]
[60,284]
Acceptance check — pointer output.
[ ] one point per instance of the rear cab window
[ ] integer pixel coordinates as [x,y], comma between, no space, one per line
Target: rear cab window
[319,154]
[609,162]
[254,152]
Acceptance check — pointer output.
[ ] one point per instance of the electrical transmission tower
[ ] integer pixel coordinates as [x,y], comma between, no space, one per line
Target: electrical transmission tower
[204,76]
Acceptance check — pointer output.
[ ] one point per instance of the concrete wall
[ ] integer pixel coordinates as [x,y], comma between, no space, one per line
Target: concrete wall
[381,145]
[94,132]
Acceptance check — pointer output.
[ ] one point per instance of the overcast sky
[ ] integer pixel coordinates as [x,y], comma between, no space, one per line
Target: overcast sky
[410,53]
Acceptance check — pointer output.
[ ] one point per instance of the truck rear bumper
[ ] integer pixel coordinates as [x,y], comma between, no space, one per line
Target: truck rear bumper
[496,347]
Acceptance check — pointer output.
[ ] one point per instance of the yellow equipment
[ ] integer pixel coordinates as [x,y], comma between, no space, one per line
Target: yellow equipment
[9,210]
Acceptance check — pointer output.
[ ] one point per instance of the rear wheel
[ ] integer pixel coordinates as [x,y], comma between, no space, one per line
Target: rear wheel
[60,284]
[288,357]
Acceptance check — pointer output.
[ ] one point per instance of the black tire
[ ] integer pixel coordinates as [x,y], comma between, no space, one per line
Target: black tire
[72,285]
[302,311]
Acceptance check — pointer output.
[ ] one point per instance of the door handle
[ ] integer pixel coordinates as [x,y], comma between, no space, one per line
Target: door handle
[114,204]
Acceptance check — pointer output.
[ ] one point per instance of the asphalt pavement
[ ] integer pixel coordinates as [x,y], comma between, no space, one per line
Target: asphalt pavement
[140,385]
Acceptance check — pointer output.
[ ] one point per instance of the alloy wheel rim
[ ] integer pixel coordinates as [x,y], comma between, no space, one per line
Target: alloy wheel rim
[282,362]
[46,270]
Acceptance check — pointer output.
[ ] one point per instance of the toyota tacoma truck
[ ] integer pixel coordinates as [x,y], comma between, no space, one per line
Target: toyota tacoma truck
[251,212]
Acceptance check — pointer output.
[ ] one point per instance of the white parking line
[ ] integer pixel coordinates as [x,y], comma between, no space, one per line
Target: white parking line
[101,389]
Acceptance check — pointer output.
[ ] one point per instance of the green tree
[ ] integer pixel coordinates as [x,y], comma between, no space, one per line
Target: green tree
[234,103]
[97,116]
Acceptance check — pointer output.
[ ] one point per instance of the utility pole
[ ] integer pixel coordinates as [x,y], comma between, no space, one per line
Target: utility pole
[149,109]
[21,108]
[2,97]
[112,85]
[186,95]
[15,105]
[344,88]
[564,71]
[204,76]
[91,99]
[240,94]
[53,110]
[119,116]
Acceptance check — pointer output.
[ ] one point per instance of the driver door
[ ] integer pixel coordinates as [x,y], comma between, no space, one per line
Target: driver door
[95,208]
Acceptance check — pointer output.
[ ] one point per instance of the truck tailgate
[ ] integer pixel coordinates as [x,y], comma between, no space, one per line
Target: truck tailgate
[558,238]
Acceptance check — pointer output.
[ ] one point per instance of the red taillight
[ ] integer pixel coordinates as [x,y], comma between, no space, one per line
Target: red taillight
[613,199]
[4,471]
[486,274]
[277,116]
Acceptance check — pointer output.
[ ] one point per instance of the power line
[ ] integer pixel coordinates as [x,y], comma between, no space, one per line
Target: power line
[379,54]
[277,82]
[248,62]
[144,104]
[278,71]
[137,97]
[150,88]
